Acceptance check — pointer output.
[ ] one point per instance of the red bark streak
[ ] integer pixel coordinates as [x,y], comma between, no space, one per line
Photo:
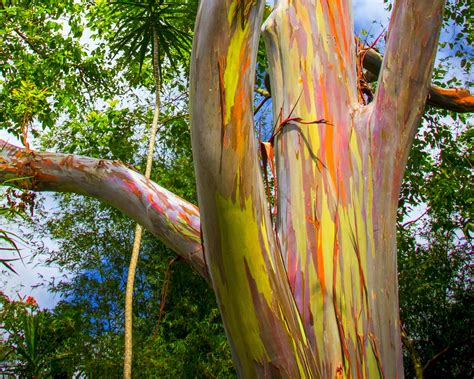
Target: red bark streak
[240,107]
[45,178]
[376,351]
[320,265]
[133,187]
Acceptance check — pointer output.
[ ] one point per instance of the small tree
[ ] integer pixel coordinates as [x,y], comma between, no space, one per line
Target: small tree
[31,341]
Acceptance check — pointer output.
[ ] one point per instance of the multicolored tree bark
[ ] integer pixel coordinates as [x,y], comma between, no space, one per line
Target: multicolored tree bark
[242,250]
[339,169]
[314,293]
[171,219]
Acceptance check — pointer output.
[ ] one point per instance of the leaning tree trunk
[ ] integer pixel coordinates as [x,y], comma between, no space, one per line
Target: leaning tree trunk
[316,295]
[241,249]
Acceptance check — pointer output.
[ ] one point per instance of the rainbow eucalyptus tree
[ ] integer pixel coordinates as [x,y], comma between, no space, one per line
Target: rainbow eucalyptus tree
[312,291]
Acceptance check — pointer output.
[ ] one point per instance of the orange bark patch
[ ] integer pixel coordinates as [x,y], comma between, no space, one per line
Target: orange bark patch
[320,265]
[132,187]
[185,217]
[458,96]
[46,177]
[334,32]
[240,108]
[342,196]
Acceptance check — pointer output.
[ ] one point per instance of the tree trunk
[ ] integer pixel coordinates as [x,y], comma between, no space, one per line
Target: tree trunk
[132,268]
[339,170]
[242,253]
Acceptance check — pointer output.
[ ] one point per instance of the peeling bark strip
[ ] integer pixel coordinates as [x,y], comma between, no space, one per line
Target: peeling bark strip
[246,269]
[168,217]
[322,204]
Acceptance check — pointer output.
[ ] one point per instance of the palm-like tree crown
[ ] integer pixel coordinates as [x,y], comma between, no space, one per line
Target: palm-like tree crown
[172,21]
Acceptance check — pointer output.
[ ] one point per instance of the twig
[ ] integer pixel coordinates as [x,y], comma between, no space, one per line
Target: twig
[445,351]
[164,293]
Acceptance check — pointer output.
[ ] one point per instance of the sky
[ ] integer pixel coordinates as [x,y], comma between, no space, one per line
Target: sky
[368,14]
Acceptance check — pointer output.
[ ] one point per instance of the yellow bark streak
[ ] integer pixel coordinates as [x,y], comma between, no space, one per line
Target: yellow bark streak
[246,254]
[233,70]
[240,245]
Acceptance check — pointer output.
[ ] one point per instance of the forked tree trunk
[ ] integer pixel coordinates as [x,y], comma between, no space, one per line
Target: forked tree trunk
[314,295]
[332,310]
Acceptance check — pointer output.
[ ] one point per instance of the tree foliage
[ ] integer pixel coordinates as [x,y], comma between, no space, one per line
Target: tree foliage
[435,247]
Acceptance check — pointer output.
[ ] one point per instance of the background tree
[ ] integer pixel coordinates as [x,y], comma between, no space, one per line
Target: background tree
[35,344]
[435,244]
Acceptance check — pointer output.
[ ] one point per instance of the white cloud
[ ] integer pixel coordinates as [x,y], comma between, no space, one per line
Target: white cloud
[365,13]
[370,10]
[29,282]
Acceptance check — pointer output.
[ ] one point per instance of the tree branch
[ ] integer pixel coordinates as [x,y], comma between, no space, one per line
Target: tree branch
[446,350]
[261,104]
[399,102]
[452,99]
[23,36]
[406,72]
[415,357]
[171,219]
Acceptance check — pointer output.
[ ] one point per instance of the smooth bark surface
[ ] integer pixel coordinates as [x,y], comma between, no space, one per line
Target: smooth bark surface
[339,168]
[259,314]
[168,217]
[324,196]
